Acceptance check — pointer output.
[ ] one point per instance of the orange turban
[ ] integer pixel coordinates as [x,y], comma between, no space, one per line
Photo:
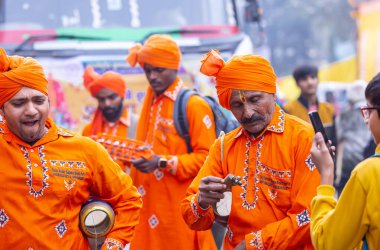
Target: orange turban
[17,72]
[159,51]
[248,72]
[95,82]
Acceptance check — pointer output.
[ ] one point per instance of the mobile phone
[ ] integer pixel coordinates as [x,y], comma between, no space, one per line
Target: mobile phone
[318,126]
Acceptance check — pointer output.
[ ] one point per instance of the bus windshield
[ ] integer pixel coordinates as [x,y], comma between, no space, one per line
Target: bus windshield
[47,14]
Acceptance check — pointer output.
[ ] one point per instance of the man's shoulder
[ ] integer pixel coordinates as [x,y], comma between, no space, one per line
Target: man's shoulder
[327,106]
[294,124]
[87,129]
[74,138]
[291,105]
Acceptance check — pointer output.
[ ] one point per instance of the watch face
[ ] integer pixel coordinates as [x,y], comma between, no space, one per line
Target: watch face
[223,207]
[162,163]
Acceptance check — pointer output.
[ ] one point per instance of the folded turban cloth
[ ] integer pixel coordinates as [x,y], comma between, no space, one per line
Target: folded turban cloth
[159,51]
[95,82]
[17,72]
[248,72]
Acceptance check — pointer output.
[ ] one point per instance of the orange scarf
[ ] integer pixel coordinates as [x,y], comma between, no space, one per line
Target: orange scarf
[143,123]
[248,72]
[17,72]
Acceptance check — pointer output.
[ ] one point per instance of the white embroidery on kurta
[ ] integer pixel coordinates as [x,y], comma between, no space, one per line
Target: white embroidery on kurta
[272,194]
[61,228]
[3,218]
[174,93]
[257,242]
[194,207]
[141,190]
[113,244]
[309,163]
[303,218]
[244,186]
[158,174]
[29,174]
[153,221]
[207,121]
[273,172]
[68,164]
[150,139]
[69,184]
[63,132]
[280,125]
[229,233]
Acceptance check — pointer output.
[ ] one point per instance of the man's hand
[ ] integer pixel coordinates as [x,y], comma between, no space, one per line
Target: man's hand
[321,157]
[211,190]
[241,246]
[146,165]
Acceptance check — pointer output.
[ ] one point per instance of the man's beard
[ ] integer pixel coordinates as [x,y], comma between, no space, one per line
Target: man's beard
[111,113]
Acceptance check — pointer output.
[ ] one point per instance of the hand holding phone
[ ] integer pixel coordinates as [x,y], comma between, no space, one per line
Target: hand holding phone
[318,127]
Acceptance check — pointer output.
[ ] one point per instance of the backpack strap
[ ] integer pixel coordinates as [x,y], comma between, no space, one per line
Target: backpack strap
[180,115]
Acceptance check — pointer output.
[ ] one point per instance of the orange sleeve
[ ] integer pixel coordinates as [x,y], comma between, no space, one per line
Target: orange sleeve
[87,130]
[294,230]
[202,134]
[196,217]
[112,185]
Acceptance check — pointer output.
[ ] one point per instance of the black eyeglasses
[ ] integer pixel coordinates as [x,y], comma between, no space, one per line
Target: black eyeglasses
[366,111]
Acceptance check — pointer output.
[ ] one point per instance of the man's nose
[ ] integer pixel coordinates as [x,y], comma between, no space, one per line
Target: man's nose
[247,111]
[30,109]
[152,75]
[107,102]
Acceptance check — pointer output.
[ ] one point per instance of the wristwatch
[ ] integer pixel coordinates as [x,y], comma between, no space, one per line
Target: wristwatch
[162,162]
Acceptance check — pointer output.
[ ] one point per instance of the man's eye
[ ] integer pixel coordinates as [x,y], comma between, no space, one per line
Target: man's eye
[17,104]
[39,102]
[254,100]
[236,105]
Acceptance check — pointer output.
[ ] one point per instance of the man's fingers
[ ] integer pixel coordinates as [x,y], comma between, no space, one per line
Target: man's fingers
[320,141]
[210,179]
[212,195]
[138,161]
[212,187]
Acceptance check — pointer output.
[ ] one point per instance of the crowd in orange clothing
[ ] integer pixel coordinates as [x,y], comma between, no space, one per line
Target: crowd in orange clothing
[167,200]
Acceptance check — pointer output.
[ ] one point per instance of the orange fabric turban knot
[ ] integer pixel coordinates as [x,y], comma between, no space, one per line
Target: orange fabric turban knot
[95,82]
[248,72]
[159,51]
[17,72]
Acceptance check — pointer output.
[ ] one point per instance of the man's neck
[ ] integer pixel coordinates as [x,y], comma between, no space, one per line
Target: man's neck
[312,99]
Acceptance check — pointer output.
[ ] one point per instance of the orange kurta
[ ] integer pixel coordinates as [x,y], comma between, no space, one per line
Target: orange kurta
[271,210]
[44,186]
[161,224]
[119,129]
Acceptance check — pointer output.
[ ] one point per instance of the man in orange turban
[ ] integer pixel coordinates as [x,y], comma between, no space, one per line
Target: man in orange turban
[111,117]
[163,179]
[270,152]
[48,172]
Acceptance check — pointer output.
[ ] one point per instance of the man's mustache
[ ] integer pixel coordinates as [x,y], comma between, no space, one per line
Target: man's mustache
[252,119]
[109,109]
